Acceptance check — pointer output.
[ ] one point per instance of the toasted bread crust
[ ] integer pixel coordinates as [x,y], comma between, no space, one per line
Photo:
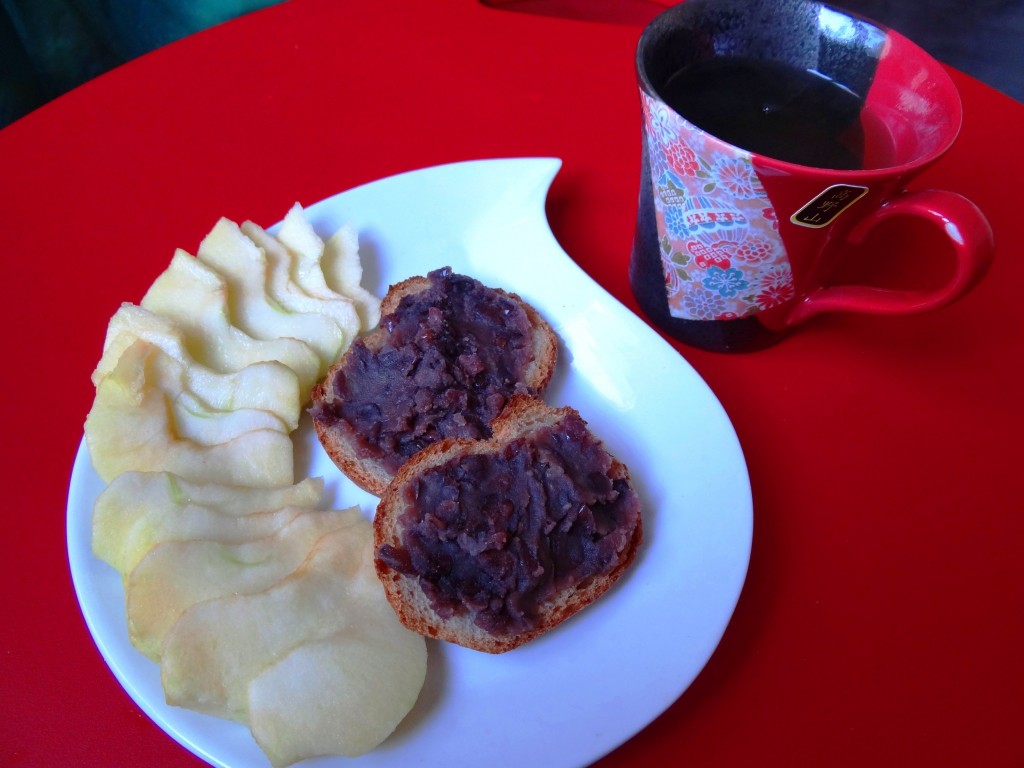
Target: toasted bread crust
[521,417]
[369,473]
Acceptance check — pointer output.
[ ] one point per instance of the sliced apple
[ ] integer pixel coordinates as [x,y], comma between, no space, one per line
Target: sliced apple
[175,575]
[140,509]
[307,250]
[269,386]
[131,426]
[218,646]
[247,271]
[192,418]
[328,269]
[132,496]
[282,286]
[342,695]
[196,298]
[123,536]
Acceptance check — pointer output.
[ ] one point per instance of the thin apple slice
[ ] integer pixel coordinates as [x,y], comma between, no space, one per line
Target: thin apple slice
[266,385]
[331,268]
[307,250]
[164,492]
[131,426]
[217,647]
[342,695]
[281,268]
[344,271]
[192,419]
[126,545]
[140,509]
[175,575]
[196,298]
[246,269]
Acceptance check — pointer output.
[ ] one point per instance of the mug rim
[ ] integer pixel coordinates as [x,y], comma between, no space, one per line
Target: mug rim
[934,66]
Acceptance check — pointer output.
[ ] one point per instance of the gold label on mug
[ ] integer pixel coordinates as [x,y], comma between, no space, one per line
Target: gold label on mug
[828,204]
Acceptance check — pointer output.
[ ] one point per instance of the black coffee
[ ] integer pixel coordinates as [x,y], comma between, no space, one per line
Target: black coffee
[776,110]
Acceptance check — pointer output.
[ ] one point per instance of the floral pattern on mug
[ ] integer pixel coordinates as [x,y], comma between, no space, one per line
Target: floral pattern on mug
[720,249]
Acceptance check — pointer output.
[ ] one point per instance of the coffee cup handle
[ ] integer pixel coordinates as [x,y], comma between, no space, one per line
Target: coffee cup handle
[967,231]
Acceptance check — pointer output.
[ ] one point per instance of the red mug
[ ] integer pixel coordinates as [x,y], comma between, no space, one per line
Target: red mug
[776,134]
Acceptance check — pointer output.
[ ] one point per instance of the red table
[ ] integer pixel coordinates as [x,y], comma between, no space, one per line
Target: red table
[881,622]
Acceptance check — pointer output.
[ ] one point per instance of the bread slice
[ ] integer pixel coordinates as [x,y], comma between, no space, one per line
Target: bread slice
[527,419]
[370,472]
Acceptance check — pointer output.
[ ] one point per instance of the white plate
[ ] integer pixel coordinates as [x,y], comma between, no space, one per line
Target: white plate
[576,693]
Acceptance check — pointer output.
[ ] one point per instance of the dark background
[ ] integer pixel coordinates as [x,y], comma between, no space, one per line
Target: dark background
[48,47]
[984,38]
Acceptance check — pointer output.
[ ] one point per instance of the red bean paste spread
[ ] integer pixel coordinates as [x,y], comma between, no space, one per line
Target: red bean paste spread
[454,354]
[501,534]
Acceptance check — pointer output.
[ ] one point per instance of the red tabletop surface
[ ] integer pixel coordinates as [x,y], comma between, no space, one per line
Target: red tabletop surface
[881,622]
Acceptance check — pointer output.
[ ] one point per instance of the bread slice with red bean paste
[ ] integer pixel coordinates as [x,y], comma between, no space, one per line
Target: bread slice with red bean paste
[490,543]
[446,358]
